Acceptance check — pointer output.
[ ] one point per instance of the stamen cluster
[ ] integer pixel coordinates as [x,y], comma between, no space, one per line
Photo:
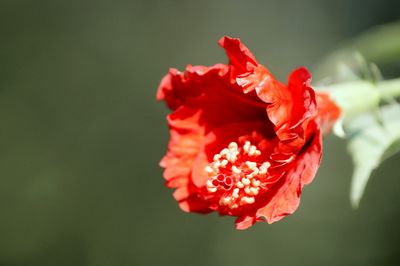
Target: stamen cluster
[237,173]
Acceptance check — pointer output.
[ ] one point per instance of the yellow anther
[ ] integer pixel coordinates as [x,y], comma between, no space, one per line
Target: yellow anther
[239,184]
[264,168]
[246,146]
[255,182]
[233,206]
[209,183]
[266,164]
[236,170]
[245,181]
[212,189]
[235,193]
[225,200]
[231,157]
[247,200]
[217,157]
[224,152]
[233,146]
[254,191]
[252,150]
[253,174]
[209,169]
[251,165]
[224,163]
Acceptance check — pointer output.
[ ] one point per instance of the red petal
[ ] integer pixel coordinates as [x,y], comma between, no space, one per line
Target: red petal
[185,142]
[245,71]
[169,89]
[193,203]
[285,197]
[176,88]
[186,137]
[245,222]
[328,111]
[290,106]
[303,96]
[240,58]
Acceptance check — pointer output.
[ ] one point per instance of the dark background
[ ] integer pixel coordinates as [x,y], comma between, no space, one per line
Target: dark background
[81,135]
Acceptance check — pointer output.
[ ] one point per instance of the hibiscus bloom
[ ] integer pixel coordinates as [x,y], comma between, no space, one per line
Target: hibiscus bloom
[242,143]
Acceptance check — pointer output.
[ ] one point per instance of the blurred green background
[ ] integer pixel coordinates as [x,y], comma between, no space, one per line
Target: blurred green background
[82,135]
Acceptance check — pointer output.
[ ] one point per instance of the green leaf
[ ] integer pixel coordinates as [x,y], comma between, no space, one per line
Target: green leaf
[373,138]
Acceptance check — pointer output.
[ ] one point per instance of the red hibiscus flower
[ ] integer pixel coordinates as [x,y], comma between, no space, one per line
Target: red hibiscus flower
[242,143]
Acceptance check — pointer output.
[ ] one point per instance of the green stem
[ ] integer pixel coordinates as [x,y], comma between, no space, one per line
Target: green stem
[389,88]
[360,96]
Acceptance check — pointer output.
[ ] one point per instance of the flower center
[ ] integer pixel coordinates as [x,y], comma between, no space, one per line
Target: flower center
[238,171]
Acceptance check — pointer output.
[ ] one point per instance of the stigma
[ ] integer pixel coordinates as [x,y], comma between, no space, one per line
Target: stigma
[237,172]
